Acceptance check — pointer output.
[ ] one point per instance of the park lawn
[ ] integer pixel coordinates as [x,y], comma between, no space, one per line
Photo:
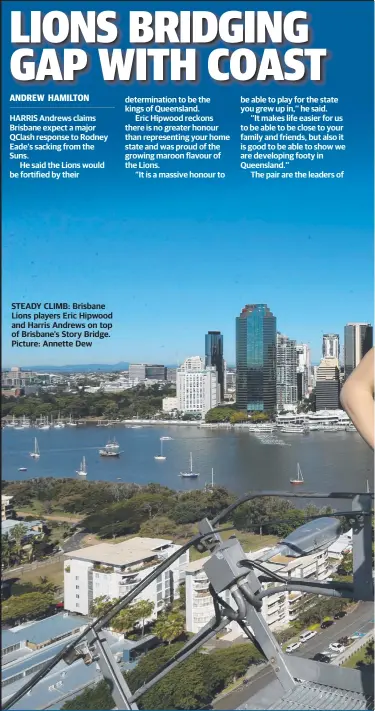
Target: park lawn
[359,656]
[249,542]
[54,572]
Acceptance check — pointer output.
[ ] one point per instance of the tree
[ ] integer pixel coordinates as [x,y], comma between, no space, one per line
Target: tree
[142,610]
[18,534]
[125,621]
[170,626]
[346,564]
[46,585]
[158,526]
[6,550]
[101,605]
[27,606]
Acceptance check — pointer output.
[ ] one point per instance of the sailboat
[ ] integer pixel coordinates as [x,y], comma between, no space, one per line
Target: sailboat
[300,479]
[82,471]
[36,453]
[160,457]
[70,423]
[44,424]
[190,474]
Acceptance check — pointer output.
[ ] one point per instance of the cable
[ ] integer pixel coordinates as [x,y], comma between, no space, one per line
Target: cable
[106,617]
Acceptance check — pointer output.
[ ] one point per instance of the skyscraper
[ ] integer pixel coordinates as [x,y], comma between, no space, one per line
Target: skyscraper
[256,358]
[327,387]
[357,341]
[214,349]
[331,345]
[286,386]
[304,375]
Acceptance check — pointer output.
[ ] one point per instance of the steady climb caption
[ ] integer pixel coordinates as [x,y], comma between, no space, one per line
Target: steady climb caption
[59,324]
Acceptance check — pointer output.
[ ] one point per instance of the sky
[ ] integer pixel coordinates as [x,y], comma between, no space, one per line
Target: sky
[173,259]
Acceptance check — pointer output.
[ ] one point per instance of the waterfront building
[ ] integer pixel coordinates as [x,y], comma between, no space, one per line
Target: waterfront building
[214,349]
[327,389]
[256,359]
[197,389]
[7,507]
[170,404]
[113,570]
[331,345]
[278,609]
[357,342]
[137,371]
[156,372]
[18,378]
[286,386]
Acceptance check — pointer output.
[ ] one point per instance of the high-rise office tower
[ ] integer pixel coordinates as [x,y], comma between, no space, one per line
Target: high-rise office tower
[304,374]
[137,371]
[214,349]
[327,389]
[331,345]
[286,360]
[156,372]
[256,358]
[357,341]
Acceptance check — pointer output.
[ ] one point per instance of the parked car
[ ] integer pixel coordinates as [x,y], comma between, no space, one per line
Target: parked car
[337,647]
[339,615]
[305,636]
[322,658]
[292,647]
[326,623]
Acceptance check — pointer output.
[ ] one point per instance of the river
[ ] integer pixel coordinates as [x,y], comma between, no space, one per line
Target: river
[338,461]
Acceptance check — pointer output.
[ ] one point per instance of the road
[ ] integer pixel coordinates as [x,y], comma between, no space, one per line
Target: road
[74,542]
[360,620]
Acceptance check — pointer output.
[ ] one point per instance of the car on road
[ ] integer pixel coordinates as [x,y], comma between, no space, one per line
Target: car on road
[322,658]
[329,653]
[337,647]
[292,647]
[339,615]
[326,623]
[305,636]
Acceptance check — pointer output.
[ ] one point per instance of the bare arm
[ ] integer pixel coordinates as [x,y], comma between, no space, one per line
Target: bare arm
[357,397]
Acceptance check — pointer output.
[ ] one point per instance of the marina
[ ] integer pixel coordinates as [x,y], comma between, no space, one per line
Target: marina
[242,460]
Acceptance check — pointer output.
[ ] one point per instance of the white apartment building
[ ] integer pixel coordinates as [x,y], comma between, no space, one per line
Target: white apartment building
[304,367]
[7,507]
[192,363]
[198,390]
[278,609]
[170,404]
[113,570]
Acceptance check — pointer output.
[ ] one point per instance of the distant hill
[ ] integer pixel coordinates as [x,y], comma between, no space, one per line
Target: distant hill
[84,368]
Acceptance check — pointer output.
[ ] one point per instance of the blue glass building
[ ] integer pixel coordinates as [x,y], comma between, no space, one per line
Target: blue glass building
[256,359]
[214,356]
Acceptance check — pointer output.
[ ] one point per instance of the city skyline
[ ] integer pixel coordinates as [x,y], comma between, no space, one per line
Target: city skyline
[190,253]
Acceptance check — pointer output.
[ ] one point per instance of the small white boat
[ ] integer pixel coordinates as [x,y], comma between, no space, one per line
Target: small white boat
[299,479]
[190,474]
[165,439]
[293,429]
[82,471]
[112,445]
[160,457]
[109,453]
[22,469]
[36,453]
[70,423]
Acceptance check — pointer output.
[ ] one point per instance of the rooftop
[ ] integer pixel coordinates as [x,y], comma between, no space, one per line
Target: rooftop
[43,630]
[132,551]
[10,523]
